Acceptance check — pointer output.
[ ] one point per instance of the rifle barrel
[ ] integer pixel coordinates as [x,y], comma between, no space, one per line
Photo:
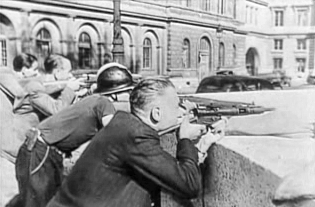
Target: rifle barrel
[234,111]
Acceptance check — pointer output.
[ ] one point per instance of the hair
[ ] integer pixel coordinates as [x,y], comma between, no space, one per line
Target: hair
[55,61]
[23,60]
[146,92]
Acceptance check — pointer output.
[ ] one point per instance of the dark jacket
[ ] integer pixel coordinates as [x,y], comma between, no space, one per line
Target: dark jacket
[124,165]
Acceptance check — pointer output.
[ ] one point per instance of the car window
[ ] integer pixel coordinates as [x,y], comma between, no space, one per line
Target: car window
[257,84]
[220,84]
[224,83]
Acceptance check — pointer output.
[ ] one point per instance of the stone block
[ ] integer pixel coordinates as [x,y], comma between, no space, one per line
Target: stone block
[229,179]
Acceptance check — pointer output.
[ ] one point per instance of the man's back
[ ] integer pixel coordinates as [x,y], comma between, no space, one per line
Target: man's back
[124,165]
[76,123]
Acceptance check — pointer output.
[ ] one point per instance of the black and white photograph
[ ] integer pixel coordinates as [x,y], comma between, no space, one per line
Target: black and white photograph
[157,103]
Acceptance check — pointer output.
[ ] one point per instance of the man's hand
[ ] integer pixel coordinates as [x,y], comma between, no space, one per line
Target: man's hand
[82,92]
[75,84]
[185,110]
[212,136]
[191,131]
[187,106]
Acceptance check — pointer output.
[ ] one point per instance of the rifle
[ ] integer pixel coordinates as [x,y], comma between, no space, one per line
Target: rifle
[209,111]
[89,78]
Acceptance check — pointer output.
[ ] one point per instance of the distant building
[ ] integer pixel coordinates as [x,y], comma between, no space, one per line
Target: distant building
[192,38]
[312,42]
[280,36]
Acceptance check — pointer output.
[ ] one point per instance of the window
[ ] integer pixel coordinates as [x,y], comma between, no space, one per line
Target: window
[221,7]
[301,44]
[43,42]
[186,54]
[205,5]
[234,9]
[84,50]
[278,18]
[147,53]
[277,63]
[188,3]
[256,17]
[204,44]
[247,14]
[251,15]
[221,55]
[278,44]
[3,52]
[300,62]
[234,55]
[302,17]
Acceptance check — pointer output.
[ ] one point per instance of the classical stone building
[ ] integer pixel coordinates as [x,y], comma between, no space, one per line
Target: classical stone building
[160,37]
[165,37]
[280,36]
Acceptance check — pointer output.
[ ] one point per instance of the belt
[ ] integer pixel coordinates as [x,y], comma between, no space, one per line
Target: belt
[33,136]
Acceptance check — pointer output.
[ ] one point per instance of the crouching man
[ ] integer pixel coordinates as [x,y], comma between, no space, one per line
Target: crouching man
[39,164]
[124,164]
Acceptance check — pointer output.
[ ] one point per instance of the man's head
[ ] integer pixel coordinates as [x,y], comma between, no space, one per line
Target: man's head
[25,65]
[59,66]
[155,101]
[113,78]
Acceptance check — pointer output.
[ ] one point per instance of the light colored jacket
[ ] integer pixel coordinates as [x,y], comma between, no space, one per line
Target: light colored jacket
[22,108]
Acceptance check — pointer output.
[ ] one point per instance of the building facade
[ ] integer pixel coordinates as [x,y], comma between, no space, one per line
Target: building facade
[190,38]
[280,36]
[165,37]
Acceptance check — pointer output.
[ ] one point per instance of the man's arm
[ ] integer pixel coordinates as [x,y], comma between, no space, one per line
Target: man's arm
[180,175]
[45,103]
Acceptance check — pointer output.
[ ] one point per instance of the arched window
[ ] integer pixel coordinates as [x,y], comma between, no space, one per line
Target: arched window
[204,44]
[84,50]
[43,42]
[221,55]
[234,55]
[147,54]
[186,54]
[3,51]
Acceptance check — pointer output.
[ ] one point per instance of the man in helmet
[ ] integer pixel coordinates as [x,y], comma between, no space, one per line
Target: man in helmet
[39,165]
[115,81]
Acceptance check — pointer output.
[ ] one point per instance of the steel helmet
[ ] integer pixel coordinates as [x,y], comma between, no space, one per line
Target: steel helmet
[113,78]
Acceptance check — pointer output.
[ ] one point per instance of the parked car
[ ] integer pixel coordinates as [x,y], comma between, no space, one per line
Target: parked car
[231,83]
[278,78]
[310,79]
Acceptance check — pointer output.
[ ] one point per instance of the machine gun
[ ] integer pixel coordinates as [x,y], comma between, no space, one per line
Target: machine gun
[209,111]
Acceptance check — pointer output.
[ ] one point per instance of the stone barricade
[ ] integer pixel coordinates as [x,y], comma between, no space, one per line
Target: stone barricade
[245,168]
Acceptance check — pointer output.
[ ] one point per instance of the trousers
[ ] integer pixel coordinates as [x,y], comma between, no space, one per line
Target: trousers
[39,173]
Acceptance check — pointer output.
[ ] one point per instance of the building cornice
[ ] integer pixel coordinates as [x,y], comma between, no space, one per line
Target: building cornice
[206,25]
[263,3]
[272,35]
